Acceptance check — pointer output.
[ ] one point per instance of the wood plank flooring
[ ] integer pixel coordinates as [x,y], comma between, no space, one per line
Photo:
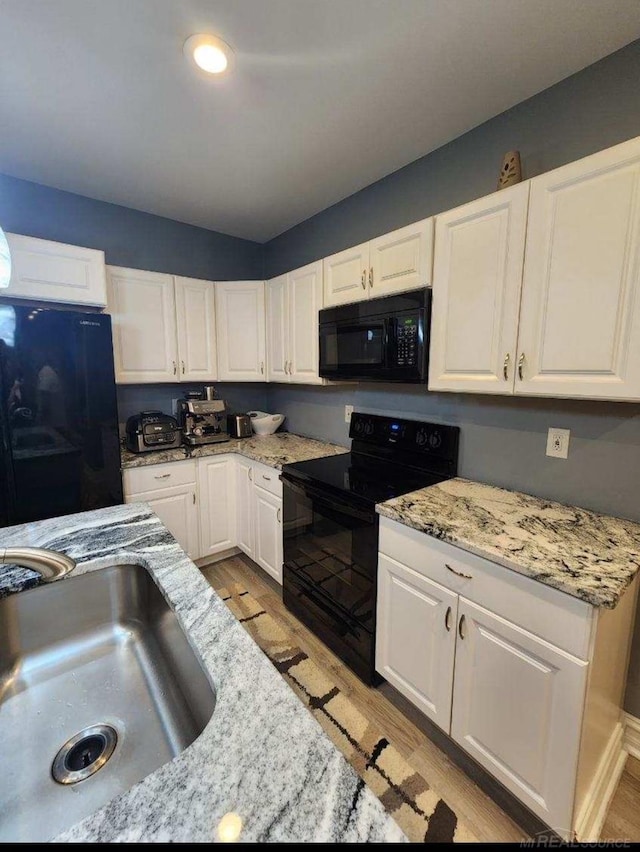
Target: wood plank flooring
[488,821]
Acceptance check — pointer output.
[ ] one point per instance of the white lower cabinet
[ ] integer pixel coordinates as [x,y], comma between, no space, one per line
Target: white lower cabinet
[215,503]
[171,489]
[527,679]
[216,485]
[517,708]
[416,637]
[244,506]
[268,532]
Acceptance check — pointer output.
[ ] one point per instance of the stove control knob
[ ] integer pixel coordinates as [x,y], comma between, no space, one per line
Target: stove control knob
[368,427]
[421,437]
[358,426]
[435,440]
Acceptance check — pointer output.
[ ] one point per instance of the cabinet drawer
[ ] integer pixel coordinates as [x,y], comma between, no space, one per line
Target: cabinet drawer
[138,480]
[554,616]
[268,478]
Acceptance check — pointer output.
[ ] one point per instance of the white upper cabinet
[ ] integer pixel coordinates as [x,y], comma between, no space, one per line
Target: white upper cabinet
[196,327]
[241,323]
[305,301]
[277,299]
[56,272]
[580,316]
[477,276]
[142,306]
[401,260]
[293,305]
[346,276]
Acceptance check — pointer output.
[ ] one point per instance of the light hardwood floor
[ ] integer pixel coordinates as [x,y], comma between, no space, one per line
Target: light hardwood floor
[487,820]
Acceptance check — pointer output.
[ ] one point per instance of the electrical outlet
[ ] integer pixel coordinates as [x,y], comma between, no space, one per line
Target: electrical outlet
[558,443]
[348,411]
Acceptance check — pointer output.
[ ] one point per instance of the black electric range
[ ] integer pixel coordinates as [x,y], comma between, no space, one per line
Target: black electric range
[331,526]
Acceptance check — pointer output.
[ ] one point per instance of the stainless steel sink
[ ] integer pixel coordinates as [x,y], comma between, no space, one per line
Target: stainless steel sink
[98,677]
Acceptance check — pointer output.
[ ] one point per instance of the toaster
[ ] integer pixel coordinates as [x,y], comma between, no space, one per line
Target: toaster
[239,425]
[152,430]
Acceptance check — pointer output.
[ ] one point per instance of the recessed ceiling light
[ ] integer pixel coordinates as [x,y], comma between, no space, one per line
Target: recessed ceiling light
[209,53]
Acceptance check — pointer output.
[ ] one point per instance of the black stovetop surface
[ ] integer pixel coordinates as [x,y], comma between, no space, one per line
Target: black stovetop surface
[361,477]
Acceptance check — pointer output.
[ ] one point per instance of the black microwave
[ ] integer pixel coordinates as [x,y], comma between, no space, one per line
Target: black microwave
[380,340]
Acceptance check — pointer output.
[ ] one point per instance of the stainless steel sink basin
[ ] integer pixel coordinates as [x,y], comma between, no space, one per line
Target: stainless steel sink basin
[96,675]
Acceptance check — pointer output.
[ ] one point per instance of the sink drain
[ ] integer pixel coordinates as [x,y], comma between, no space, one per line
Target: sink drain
[84,754]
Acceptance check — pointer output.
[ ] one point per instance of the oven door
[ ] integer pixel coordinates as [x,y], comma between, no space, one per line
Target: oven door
[330,570]
[354,349]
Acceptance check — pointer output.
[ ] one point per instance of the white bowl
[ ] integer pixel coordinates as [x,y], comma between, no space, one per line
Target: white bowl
[263,423]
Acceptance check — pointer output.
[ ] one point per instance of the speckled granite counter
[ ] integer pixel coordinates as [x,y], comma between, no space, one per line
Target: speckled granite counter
[273,450]
[590,556]
[262,755]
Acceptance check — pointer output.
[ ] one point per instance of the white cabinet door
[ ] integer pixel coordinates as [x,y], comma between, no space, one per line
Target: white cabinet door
[196,326]
[176,507]
[268,532]
[580,315]
[240,318]
[517,702]
[277,298]
[216,486]
[142,308]
[346,276]
[416,638]
[305,301]
[244,506]
[477,277]
[56,272]
[401,260]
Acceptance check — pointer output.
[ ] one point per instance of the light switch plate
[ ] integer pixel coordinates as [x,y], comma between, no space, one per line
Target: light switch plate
[558,443]
[348,411]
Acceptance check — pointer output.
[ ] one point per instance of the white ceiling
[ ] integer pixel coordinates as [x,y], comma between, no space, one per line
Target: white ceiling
[327,95]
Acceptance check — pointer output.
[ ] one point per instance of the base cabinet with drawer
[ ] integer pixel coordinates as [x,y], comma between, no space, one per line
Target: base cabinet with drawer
[171,490]
[527,679]
[259,516]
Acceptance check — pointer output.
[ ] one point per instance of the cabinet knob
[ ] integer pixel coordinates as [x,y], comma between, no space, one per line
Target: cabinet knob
[461,624]
[279,514]
[520,366]
[505,367]
[371,276]
[458,573]
[363,279]
[447,619]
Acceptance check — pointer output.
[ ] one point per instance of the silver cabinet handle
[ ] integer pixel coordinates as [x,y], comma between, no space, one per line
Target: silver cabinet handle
[520,366]
[194,498]
[505,367]
[183,369]
[458,573]
[249,474]
[268,478]
[162,476]
[461,625]
[363,279]
[285,366]
[262,367]
[290,368]
[175,367]
[278,514]
[371,276]
[447,619]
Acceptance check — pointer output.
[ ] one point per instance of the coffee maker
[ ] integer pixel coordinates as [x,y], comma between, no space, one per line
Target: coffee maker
[203,421]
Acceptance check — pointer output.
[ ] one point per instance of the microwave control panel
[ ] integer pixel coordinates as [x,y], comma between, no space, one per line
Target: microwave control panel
[407,342]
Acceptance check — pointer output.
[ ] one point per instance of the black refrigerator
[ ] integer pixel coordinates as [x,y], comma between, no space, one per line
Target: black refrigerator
[59,443]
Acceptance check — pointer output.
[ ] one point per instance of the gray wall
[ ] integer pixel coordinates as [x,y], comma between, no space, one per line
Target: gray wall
[239,397]
[128,237]
[503,440]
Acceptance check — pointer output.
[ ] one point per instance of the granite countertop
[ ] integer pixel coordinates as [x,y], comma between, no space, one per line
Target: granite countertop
[262,755]
[273,450]
[590,556]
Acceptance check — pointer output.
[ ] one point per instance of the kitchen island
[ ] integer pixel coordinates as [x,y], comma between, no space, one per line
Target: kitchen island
[262,756]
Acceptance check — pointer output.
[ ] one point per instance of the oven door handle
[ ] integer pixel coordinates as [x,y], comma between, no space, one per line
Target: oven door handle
[328,500]
[343,623]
